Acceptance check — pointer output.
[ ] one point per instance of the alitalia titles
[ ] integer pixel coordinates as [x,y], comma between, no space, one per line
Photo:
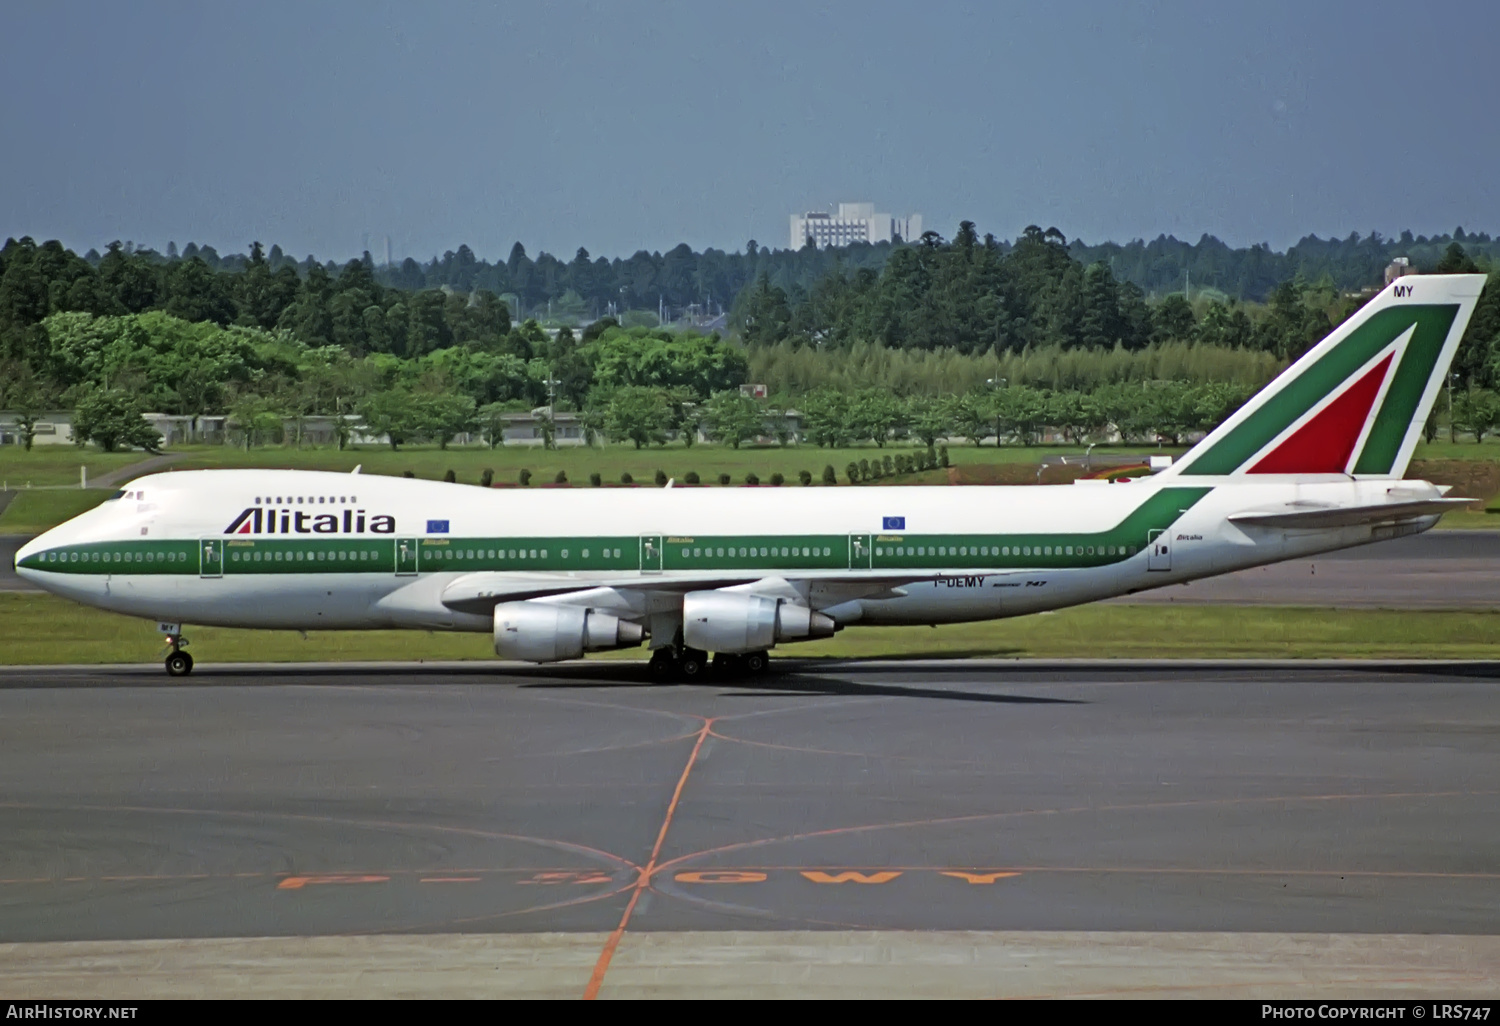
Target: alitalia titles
[262,520]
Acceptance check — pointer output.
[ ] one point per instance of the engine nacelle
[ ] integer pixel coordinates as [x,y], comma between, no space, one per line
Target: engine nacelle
[538,632]
[729,621]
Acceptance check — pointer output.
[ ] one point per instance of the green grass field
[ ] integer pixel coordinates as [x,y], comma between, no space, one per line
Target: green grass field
[38,511]
[58,465]
[1442,449]
[1487,519]
[37,629]
[51,466]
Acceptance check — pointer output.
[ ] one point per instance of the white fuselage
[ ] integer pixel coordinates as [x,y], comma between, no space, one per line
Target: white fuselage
[317,551]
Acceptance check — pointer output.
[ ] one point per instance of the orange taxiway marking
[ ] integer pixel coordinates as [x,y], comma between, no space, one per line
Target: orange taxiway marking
[296,883]
[596,979]
[747,874]
[977,878]
[569,876]
[850,876]
[718,876]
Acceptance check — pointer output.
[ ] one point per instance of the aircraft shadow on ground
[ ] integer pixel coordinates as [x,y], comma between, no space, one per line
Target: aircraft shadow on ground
[774,685]
[1481,670]
[779,684]
[1182,668]
[804,677]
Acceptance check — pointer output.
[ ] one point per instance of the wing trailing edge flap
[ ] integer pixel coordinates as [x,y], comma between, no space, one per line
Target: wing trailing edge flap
[824,592]
[1306,515]
[635,594]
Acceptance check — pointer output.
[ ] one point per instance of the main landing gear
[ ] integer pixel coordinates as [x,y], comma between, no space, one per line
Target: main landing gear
[686,665]
[179,663]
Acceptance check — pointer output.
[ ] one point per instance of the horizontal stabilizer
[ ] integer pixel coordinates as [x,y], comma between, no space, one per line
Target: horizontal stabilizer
[1309,516]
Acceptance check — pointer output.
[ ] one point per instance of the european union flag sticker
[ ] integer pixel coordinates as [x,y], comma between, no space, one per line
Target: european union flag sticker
[437,527]
[893,524]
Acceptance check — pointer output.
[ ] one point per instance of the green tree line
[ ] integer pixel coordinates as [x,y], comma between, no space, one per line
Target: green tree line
[585,287]
[979,297]
[273,344]
[928,294]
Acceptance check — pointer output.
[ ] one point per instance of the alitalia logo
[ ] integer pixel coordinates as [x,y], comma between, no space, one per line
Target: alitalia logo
[269,520]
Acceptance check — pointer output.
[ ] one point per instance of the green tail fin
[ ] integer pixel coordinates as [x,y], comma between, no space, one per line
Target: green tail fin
[1356,402]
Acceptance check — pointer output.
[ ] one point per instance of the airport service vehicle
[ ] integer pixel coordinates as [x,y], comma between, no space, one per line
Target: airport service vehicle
[1312,463]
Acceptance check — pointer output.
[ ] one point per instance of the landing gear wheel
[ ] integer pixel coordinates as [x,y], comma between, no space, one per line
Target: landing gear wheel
[755,662]
[179,664]
[691,664]
[662,666]
[726,664]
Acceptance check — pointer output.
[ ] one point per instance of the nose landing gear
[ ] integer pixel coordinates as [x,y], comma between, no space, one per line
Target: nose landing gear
[178,662]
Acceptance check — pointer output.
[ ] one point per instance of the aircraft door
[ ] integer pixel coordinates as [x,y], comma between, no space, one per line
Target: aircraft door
[1158,551]
[861,552]
[406,557]
[651,553]
[211,557]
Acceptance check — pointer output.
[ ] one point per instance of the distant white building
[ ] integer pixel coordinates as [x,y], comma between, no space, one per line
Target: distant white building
[1398,268]
[55,427]
[531,428]
[854,222]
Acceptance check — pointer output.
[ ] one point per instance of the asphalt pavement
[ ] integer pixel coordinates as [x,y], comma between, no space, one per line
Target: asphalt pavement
[742,832]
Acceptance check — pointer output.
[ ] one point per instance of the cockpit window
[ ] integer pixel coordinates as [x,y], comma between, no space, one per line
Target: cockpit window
[118,495]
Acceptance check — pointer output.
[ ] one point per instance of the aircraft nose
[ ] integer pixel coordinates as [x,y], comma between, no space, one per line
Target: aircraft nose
[27,560]
[30,558]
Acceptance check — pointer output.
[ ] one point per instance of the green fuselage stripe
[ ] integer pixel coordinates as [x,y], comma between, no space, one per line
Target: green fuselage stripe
[753,553]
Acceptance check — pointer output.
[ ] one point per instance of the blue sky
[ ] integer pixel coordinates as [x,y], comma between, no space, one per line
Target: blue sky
[619,126]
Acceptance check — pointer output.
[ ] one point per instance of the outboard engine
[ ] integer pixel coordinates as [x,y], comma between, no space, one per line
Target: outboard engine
[733,622]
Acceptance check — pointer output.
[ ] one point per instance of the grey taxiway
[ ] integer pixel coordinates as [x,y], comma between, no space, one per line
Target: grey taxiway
[893,828]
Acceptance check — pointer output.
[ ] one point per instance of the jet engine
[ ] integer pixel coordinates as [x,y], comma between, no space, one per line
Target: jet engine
[728,621]
[539,632]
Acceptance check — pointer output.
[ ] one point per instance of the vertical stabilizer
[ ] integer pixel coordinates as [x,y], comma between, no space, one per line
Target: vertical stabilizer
[1356,402]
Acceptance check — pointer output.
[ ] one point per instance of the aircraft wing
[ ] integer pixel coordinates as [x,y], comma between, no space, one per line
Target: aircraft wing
[480,592]
[1305,515]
